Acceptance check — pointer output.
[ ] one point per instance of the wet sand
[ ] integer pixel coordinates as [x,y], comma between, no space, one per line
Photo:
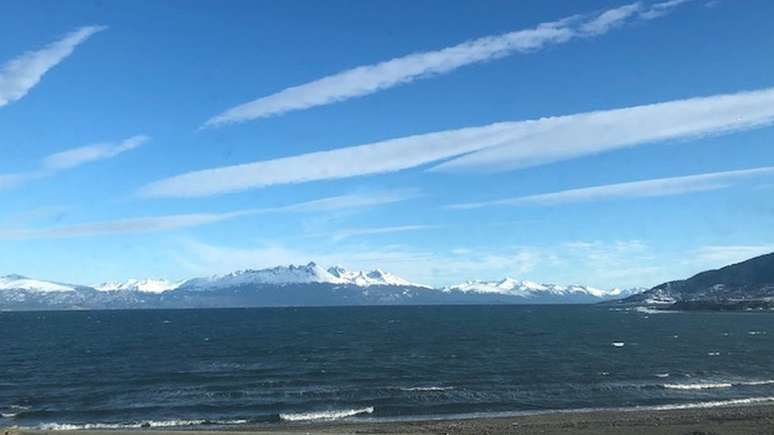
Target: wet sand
[715,421]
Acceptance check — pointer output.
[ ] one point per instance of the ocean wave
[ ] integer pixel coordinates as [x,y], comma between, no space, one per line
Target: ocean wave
[501,414]
[147,424]
[426,388]
[697,386]
[716,404]
[709,385]
[326,415]
[647,310]
[15,410]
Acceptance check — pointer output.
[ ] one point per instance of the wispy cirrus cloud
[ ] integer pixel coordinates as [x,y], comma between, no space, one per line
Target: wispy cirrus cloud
[90,153]
[69,159]
[8,181]
[495,147]
[354,232]
[152,224]
[610,19]
[369,79]
[348,201]
[635,189]
[21,74]
[660,9]
[547,140]
[121,226]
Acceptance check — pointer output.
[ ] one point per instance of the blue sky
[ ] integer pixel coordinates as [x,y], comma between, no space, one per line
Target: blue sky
[601,142]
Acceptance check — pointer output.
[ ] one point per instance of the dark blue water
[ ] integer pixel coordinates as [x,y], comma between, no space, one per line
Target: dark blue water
[265,366]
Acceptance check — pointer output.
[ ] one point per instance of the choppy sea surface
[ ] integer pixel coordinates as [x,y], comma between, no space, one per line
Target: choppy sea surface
[115,369]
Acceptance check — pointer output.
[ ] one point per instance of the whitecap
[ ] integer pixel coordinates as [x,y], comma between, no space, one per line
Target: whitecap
[719,384]
[135,425]
[13,408]
[426,388]
[766,382]
[713,353]
[716,404]
[662,375]
[618,344]
[325,415]
[697,386]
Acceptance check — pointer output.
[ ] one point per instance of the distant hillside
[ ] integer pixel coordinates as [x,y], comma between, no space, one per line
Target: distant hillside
[745,285]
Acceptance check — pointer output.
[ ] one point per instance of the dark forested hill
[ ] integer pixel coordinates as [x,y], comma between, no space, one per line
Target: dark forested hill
[745,285]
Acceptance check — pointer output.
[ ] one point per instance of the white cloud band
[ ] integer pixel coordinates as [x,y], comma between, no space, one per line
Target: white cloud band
[369,79]
[636,189]
[495,147]
[72,158]
[21,74]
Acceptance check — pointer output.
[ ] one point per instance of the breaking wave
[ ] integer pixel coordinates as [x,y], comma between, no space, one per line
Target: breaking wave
[426,388]
[716,403]
[697,386]
[15,410]
[326,415]
[707,386]
[147,424]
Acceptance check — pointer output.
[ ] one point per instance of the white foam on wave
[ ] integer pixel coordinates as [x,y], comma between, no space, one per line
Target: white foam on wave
[13,408]
[697,386]
[499,414]
[717,403]
[426,388]
[326,415]
[618,344]
[710,385]
[146,424]
[647,310]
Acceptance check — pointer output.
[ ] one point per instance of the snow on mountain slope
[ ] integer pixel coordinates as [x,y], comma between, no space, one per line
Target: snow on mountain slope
[310,273]
[374,277]
[527,289]
[18,282]
[280,275]
[143,286]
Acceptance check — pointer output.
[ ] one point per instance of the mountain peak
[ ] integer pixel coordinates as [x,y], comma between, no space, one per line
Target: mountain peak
[19,282]
[13,276]
[337,271]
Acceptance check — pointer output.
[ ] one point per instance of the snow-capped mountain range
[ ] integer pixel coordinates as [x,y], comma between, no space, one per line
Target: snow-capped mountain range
[510,286]
[310,273]
[307,284]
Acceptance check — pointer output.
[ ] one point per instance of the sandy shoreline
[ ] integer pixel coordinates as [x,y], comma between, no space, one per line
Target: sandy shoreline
[727,420]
